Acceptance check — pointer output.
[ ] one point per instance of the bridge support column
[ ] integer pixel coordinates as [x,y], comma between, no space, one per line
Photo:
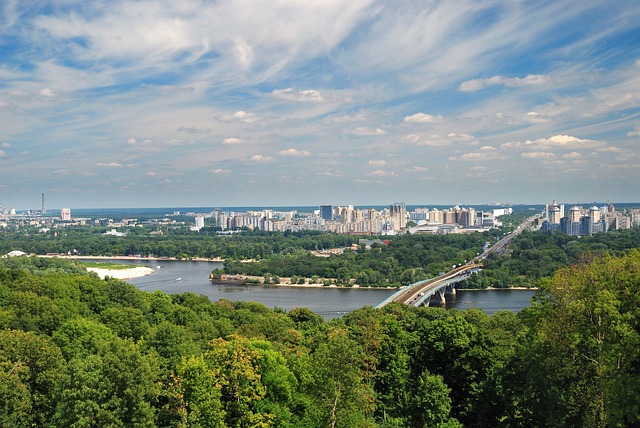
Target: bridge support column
[440,294]
[453,290]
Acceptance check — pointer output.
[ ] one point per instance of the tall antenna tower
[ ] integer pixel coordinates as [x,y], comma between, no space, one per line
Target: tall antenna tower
[43,210]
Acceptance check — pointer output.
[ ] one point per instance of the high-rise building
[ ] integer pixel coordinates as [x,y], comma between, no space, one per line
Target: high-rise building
[575,213]
[398,214]
[199,222]
[594,214]
[65,214]
[554,212]
[326,212]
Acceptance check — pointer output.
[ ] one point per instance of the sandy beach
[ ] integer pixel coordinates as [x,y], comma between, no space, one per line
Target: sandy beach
[134,272]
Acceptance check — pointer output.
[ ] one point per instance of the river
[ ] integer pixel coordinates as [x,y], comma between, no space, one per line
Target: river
[179,276]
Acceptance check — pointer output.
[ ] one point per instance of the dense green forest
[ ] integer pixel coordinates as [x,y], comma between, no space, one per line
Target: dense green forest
[77,351]
[535,255]
[402,260]
[178,243]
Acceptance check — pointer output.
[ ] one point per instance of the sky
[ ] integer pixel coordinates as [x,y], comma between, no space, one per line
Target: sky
[140,103]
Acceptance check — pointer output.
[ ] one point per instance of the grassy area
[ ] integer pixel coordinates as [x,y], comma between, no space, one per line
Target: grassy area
[107,265]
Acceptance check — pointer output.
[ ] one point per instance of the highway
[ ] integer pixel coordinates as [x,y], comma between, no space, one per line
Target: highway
[501,245]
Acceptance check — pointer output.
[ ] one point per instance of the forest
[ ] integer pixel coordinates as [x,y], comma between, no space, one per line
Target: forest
[78,351]
[176,243]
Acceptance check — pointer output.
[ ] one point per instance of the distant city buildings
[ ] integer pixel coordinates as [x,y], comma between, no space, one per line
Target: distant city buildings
[346,219]
[581,221]
[366,221]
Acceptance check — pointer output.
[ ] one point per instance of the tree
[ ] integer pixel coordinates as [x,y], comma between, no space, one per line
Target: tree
[585,351]
[430,404]
[34,366]
[256,386]
[115,387]
[343,399]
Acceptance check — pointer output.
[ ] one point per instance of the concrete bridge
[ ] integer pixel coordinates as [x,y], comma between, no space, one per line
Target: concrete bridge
[420,293]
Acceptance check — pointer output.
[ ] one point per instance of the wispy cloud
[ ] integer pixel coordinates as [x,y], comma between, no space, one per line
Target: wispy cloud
[309,95]
[365,131]
[261,158]
[361,91]
[422,118]
[510,82]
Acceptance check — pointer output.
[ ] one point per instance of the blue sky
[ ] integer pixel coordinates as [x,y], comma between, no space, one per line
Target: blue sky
[124,103]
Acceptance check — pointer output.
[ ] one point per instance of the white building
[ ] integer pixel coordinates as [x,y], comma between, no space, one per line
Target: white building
[199,222]
[65,214]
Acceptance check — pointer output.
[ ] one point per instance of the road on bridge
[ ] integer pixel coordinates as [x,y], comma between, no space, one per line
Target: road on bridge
[416,293]
[419,292]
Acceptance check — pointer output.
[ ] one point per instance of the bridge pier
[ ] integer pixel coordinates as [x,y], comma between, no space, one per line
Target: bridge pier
[440,294]
[452,289]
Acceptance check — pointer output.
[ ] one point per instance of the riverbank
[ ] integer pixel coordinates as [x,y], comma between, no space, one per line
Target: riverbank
[193,259]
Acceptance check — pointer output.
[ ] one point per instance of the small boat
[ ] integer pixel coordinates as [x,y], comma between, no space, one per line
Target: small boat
[178,279]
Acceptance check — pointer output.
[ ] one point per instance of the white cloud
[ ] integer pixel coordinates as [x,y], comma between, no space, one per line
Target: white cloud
[377,162]
[475,85]
[243,53]
[423,118]
[538,155]
[240,116]
[309,95]
[232,140]
[151,174]
[358,117]
[612,149]
[572,155]
[563,141]
[436,140]
[5,145]
[531,117]
[485,153]
[634,133]
[364,131]
[2,153]
[47,92]
[294,152]
[381,173]
[559,141]
[109,164]
[261,158]
[220,171]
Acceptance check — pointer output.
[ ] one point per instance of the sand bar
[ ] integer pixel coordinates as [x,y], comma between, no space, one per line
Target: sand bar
[134,272]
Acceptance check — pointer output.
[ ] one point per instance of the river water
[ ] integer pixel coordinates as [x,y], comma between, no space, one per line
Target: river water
[173,276]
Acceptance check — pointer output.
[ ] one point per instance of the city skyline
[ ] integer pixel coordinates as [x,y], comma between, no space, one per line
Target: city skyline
[156,104]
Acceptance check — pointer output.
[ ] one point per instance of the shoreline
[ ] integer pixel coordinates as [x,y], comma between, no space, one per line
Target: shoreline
[499,288]
[192,259]
[148,271]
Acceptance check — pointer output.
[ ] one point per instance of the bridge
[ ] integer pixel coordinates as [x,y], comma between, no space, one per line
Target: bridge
[420,293]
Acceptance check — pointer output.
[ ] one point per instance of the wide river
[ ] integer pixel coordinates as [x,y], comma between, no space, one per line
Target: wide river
[173,276]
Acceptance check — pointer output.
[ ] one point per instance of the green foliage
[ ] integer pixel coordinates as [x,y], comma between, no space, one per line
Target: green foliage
[79,351]
[407,258]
